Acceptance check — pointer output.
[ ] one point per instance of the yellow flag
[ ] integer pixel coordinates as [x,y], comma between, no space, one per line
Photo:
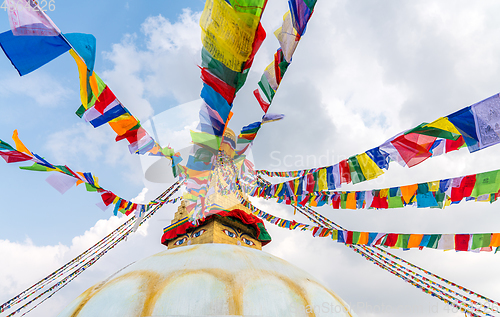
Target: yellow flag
[368,167]
[227,34]
[19,145]
[84,79]
[384,192]
[322,183]
[335,234]
[444,124]
[434,186]
[94,86]
[82,71]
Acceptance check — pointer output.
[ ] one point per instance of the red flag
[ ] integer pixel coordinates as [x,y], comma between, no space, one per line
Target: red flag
[14,156]
[462,242]
[225,90]
[107,198]
[132,135]
[263,104]
[451,145]
[345,172]
[414,148]
[391,240]
[105,99]
[465,189]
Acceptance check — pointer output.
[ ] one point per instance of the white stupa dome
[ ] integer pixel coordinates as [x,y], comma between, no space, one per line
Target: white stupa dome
[209,280]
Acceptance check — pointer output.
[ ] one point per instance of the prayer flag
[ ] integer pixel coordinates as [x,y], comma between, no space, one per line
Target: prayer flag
[263,104]
[486,183]
[14,156]
[271,117]
[61,182]
[19,145]
[380,158]
[463,120]
[355,169]
[413,148]
[288,37]
[85,46]
[415,240]
[487,121]
[462,242]
[28,53]
[368,167]
[28,19]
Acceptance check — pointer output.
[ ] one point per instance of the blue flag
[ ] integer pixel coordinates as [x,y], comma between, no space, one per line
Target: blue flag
[28,53]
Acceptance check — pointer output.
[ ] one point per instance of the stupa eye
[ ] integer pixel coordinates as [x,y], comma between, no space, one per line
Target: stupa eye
[248,242]
[181,241]
[229,233]
[198,233]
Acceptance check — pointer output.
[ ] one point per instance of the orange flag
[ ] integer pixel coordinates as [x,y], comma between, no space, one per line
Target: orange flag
[19,145]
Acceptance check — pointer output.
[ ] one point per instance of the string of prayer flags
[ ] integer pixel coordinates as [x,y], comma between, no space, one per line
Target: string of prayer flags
[459,242]
[231,36]
[106,108]
[312,190]
[448,296]
[288,35]
[473,126]
[249,132]
[66,177]
[375,255]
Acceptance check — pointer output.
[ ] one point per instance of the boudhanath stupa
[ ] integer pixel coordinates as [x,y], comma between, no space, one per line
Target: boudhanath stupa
[215,268]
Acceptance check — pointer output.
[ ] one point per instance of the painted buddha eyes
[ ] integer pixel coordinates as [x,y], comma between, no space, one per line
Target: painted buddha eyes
[229,233]
[181,241]
[198,233]
[248,242]
[234,235]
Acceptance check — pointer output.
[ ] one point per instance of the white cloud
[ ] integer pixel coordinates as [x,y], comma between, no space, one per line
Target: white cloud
[141,198]
[45,90]
[167,68]
[28,263]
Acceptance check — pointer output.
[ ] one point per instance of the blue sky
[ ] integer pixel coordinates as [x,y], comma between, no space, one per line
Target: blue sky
[363,72]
